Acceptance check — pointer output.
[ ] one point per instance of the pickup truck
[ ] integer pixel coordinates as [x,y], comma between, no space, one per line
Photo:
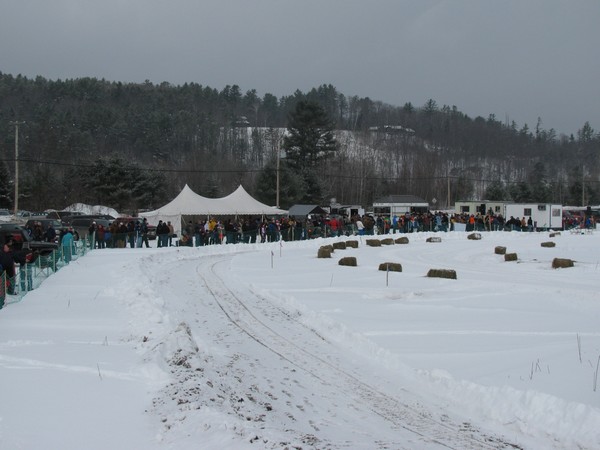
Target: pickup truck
[21,239]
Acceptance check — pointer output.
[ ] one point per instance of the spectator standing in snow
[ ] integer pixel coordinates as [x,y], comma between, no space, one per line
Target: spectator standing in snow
[144,230]
[171,233]
[50,234]
[67,245]
[7,264]
[360,227]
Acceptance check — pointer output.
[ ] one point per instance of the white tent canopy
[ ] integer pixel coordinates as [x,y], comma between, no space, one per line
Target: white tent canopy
[188,203]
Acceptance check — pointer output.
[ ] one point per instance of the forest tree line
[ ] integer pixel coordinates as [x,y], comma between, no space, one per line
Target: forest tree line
[133,146]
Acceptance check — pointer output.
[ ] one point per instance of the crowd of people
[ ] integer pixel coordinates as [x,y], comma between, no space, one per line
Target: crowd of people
[123,232]
[119,234]
[253,230]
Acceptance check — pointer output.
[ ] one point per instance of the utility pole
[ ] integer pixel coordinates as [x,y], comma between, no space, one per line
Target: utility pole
[278,164]
[277,190]
[448,181]
[16,123]
[583,186]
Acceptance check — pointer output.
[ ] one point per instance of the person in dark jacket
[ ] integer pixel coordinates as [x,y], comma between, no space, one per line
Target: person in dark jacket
[50,234]
[144,231]
[7,262]
[162,232]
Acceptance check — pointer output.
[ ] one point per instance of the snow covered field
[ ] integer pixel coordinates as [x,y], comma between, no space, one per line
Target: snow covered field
[266,346]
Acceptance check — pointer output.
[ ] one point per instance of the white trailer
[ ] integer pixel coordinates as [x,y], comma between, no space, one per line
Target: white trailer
[545,216]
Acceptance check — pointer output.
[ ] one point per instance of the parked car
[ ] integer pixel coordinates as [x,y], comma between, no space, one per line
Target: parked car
[21,239]
[63,216]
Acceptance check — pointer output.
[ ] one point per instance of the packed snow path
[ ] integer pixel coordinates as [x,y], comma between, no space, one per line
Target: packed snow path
[235,351]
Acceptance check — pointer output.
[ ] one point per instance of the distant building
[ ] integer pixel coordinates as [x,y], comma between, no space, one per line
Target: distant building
[349,210]
[544,215]
[303,211]
[480,206]
[241,122]
[397,205]
[392,129]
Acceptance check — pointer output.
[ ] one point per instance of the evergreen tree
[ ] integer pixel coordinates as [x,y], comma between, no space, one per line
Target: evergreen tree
[116,183]
[520,192]
[540,188]
[496,191]
[291,185]
[310,142]
[310,139]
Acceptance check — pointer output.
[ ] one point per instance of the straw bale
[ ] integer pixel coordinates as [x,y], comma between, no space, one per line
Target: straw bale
[442,273]
[562,263]
[324,252]
[392,267]
[348,261]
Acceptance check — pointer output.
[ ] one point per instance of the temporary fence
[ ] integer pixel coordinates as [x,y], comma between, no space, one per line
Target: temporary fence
[29,276]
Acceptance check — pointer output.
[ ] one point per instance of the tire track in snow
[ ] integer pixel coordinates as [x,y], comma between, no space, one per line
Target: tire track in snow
[414,419]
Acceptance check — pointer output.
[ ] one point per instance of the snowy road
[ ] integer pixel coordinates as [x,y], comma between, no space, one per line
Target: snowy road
[236,347]
[284,383]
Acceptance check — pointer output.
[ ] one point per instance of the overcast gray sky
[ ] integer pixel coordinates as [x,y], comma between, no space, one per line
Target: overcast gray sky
[517,59]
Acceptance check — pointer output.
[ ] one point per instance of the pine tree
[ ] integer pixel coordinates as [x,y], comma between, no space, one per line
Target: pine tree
[310,142]
[291,186]
[310,139]
[496,191]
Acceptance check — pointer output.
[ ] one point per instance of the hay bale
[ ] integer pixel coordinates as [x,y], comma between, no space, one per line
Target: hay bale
[500,250]
[324,252]
[352,244]
[555,234]
[339,246]
[510,257]
[562,263]
[348,261]
[434,239]
[402,240]
[373,242]
[392,267]
[387,241]
[474,236]
[548,244]
[442,273]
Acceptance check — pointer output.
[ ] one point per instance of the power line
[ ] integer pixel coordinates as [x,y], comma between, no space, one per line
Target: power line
[243,171]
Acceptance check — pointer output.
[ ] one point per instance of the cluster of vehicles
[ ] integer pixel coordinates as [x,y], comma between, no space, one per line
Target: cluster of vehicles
[20,231]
